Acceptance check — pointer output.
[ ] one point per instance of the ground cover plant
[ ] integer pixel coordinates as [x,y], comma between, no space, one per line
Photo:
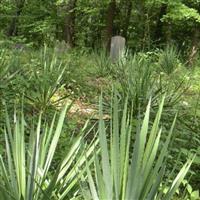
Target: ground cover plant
[49,80]
[27,176]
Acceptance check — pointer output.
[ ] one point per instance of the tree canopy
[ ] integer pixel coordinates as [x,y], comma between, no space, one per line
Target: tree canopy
[91,23]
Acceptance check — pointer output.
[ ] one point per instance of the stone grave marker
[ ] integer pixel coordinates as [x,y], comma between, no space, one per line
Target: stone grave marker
[61,47]
[117,48]
[19,47]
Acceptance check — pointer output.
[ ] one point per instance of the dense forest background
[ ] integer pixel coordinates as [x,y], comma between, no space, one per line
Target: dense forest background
[91,23]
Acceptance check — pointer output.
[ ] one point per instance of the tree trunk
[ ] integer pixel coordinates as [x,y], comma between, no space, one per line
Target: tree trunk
[69,27]
[110,23]
[12,30]
[158,35]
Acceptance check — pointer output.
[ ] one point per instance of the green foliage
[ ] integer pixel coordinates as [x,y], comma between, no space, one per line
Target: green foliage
[189,192]
[27,170]
[141,77]
[8,76]
[135,76]
[123,173]
[102,63]
[179,12]
[168,60]
[45,21]
[45,78]
[5,75]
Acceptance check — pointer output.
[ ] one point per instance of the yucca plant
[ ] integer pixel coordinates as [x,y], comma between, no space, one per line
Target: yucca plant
[168,60]
[45,79]
[103,63]
[139,79]
[125,171]
[27,171]
[136,79]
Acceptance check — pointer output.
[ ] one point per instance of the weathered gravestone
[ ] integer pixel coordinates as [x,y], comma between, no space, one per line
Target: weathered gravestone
[61,47]
[117,48]
[19,47]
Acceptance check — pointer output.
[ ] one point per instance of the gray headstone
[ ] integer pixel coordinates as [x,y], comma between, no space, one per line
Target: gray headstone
[19,46]
[61,47]
[117,48]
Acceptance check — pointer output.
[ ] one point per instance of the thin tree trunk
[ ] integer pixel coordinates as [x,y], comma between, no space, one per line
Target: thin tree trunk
[110,23]
[69,27]
[12,30]
[158,35]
